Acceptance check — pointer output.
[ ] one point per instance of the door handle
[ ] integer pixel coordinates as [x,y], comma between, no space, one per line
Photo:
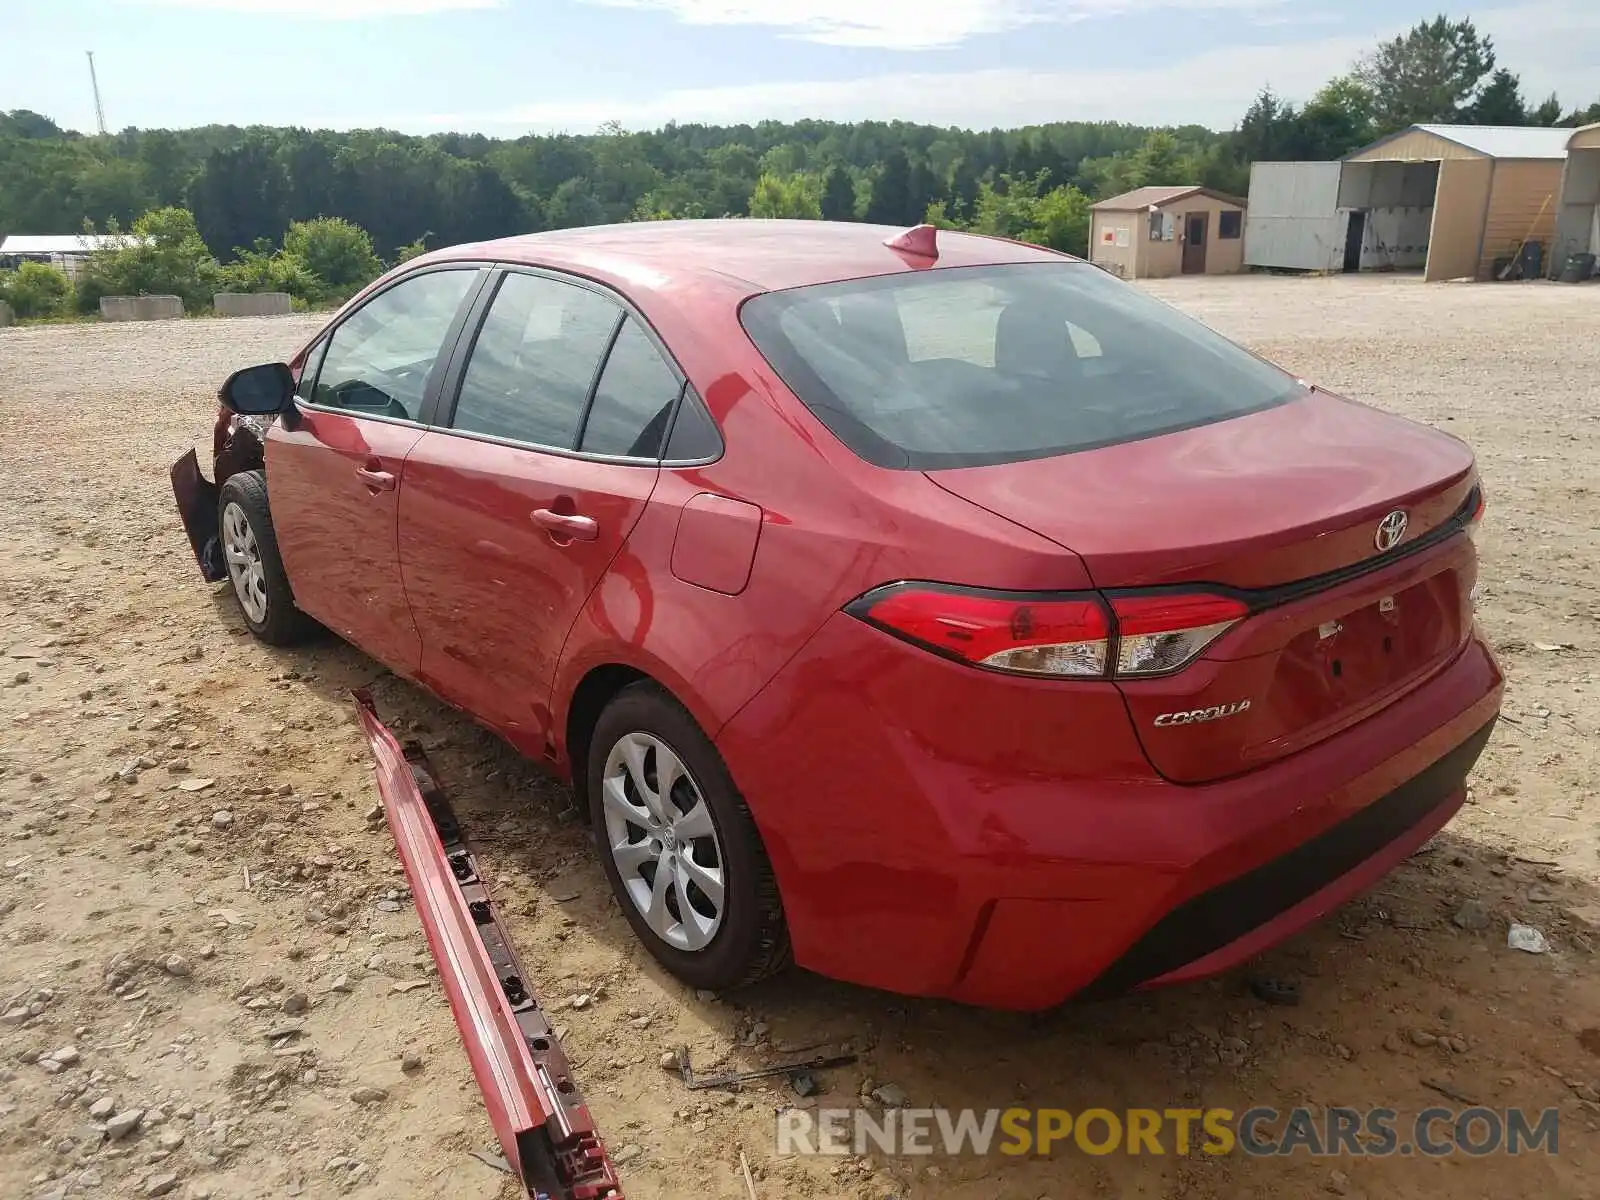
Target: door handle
[378,481]
[573,526]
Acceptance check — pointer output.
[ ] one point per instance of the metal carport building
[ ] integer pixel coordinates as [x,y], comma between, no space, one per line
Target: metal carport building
[1448,200]
[1578,219]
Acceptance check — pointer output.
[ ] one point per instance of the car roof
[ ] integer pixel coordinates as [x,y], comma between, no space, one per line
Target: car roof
[739,256]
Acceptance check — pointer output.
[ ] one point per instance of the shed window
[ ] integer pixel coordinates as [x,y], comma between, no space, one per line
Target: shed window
[1229,223]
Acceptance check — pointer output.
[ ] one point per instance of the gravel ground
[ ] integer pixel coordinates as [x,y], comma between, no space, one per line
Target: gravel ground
[205,937]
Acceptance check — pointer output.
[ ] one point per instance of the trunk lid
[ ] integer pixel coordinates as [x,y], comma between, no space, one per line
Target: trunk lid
[1255,501]
[1282,508]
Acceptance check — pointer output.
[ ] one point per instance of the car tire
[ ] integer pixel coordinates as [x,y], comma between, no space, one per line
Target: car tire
[750,940]
[255,570]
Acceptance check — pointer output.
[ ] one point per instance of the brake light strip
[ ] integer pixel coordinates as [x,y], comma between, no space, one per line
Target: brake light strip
[538,1114]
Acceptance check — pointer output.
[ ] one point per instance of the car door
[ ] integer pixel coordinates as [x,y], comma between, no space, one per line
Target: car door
[334,477]
[511,513]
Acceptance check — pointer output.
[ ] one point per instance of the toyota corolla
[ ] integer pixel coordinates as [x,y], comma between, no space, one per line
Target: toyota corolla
[933,611]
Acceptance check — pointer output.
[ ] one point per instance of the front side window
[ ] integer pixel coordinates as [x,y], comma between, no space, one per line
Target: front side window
[308,371]
[379,358]
[534,362]
[970,366]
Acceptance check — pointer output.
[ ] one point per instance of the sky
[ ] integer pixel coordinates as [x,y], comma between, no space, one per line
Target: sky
[507,67]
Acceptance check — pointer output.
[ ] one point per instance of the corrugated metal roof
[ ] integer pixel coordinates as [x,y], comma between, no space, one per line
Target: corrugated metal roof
[1505,141]
[60,243]
[1144,197]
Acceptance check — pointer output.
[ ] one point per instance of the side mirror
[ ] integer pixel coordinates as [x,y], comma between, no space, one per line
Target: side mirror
[259,391]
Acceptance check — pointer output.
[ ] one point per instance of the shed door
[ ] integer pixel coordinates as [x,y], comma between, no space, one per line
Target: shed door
[1194,242]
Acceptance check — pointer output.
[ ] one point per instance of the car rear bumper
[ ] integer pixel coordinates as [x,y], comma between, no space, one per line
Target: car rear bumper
[940,831]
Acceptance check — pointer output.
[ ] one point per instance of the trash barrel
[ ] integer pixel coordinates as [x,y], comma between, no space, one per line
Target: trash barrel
[1578,268]
[1530,259]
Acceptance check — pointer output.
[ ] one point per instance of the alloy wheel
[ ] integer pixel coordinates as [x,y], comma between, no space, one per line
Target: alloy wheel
[244,562]
[661,837]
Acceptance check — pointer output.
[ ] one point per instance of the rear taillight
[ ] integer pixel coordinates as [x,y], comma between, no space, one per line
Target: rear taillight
[1075,635]
[1034,635]
[1476,518]
[1159,632]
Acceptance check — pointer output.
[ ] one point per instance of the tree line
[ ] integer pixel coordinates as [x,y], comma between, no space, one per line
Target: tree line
[244,192]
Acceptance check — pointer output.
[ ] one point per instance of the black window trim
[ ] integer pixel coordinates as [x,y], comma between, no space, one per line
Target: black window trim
[447,346]
[467,340]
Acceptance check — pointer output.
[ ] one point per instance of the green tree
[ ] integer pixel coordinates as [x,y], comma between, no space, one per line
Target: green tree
[338,254]
[1266,132]
[1432,73]
[22,123]
[1338,119]
[1061,221]
[891,202]
[793,196]
[247,184]
[164,162]
[963,188]
[1583,116]
[572,204]
[838,195]
[264,269]
[36,290]
[411,250]
[1006,210]
[112,190]
[162,256]
[1500,102]
[1548,113]
[1157,162]
[240,195]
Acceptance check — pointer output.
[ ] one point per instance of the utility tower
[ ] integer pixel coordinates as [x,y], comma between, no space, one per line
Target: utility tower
[94,80]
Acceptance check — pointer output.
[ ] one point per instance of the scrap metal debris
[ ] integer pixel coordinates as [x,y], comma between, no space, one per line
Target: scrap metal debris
[732,1079]
[535,1107]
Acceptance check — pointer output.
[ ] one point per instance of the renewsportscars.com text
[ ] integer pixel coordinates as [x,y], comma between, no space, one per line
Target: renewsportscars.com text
[1258,1131]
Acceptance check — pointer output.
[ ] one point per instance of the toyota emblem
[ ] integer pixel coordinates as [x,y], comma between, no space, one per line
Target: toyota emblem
[1390,530]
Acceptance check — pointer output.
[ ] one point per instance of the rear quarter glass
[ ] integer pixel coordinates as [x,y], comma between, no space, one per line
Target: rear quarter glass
[975,366]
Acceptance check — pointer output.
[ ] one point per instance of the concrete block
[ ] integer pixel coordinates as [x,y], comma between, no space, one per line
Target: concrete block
[140,308]
[7,317]
[251,304]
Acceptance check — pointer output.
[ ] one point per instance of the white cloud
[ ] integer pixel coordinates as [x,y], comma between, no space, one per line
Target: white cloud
[332,10]
[905,24]
[1549,42]
[1209,89]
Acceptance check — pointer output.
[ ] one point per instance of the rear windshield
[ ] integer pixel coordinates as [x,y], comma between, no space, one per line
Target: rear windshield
[970,366]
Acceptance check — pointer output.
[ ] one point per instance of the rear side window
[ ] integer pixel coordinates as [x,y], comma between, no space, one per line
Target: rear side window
[694,434]
[534,361]
[973,366]
[633,403]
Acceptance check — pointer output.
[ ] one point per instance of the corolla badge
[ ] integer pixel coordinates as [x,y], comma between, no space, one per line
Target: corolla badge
[1195,716]
[1390,530]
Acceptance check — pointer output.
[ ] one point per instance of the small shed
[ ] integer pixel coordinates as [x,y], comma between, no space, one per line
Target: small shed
[66,252]
[1578,219]
[1448,200]
[1153,232]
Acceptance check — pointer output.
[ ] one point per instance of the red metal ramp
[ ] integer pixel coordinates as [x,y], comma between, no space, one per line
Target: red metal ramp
[535,1107]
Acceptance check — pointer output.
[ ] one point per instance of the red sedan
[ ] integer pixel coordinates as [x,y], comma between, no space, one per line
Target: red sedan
[935,611]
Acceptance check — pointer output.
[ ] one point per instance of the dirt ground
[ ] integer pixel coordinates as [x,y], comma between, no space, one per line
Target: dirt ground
[187,864]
